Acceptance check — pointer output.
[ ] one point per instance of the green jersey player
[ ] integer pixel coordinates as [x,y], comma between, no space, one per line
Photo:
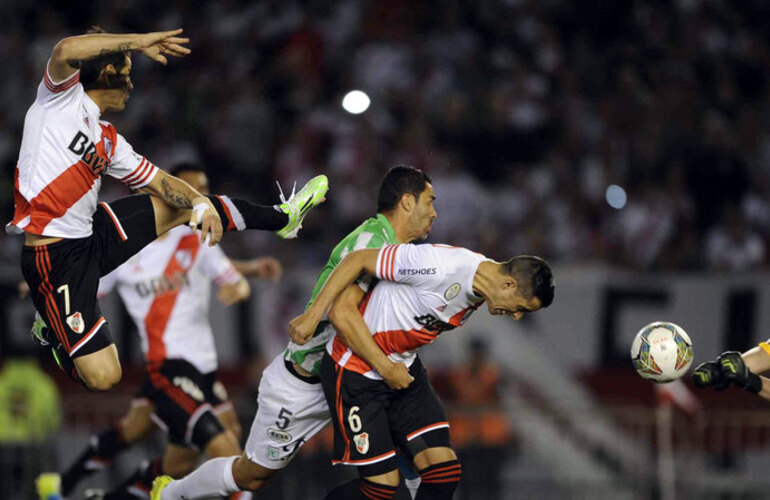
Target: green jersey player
[291,403]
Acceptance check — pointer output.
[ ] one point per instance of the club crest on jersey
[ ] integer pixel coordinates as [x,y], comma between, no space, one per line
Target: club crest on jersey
[184,257]
[76,323]
[453,291]
[362,442]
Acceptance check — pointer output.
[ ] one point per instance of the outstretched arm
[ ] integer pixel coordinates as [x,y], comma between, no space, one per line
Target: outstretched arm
[302,327]
[176,193]
[79,48]
[262,267]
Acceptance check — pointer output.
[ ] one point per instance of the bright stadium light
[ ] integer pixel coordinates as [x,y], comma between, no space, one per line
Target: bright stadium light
[616,196]
[356,102]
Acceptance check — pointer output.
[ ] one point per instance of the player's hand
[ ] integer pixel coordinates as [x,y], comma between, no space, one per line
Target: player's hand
[397,376]
[302,328]
[735,371]
[268,268]
[204,213]
[235,292]
[159,44]
[709,374]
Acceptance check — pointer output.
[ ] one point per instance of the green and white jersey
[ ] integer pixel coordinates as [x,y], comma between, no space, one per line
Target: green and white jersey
[373,233]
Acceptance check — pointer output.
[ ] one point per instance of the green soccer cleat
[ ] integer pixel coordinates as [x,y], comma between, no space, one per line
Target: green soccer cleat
[40,331]
[158,485]
[299,204]
[48,486]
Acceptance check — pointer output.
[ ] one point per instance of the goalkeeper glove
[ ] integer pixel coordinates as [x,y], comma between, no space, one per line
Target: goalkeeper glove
[735,372]
[710,375]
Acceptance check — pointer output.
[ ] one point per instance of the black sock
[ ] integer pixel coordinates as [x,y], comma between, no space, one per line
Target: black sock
[361,489]
[100,452]
[237,215]
[439,481]
[141,481]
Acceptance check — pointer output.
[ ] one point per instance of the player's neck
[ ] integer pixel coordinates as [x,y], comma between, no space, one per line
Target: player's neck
[399,226]
[103,98]
[487,279]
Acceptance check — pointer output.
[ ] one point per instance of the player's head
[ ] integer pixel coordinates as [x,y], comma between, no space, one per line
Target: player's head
[193,174]
[109,73]
[525,284]
[409,190]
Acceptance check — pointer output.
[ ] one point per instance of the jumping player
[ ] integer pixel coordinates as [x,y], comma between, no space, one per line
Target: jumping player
[424,291]
[291,404]
[166,288]
[71,240]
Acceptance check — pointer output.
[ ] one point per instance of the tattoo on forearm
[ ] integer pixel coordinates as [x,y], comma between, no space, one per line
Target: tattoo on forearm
[126,47]
[174,197]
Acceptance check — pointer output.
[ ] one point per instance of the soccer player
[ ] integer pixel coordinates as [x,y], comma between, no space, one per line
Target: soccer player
[291,404]
[70,239]
[166,288]
[424,291]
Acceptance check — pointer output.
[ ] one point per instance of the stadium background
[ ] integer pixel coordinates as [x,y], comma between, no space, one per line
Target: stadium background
[524,113]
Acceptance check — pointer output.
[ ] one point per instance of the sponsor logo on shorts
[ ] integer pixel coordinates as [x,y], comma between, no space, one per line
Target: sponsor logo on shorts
[278,436]
[362,442]
[189,387]
[273,453]
[75,321]
[453,291]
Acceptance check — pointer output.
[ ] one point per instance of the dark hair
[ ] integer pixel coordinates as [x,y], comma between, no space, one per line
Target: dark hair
[400,180]
[90,69]
[534,276]
[186,166]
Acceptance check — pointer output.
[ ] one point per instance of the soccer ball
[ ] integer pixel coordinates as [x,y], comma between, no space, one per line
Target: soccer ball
[661,352]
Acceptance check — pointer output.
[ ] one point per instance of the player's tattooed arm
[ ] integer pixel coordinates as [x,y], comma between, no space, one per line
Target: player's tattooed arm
[302,327]
[354,332]
[157,45]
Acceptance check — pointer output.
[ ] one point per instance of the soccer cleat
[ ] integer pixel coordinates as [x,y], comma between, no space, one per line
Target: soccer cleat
[158,485]
[48,486]
[40,331]
[299,204]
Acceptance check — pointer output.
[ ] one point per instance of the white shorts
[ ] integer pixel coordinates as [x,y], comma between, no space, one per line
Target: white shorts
[290,412]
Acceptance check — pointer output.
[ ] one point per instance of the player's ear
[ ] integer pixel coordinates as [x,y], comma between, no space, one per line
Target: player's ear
[407,202]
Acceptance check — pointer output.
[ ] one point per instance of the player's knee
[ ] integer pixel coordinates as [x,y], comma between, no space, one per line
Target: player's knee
[210,435]
[250,476]
[102,378]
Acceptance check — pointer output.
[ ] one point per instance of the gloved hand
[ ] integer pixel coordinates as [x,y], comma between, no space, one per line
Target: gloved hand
[709,374]
[735,372]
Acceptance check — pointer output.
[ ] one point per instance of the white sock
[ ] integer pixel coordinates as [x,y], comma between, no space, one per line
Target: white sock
[213,478]
[412,485]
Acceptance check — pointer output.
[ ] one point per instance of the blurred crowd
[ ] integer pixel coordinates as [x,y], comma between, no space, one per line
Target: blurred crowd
[522,111]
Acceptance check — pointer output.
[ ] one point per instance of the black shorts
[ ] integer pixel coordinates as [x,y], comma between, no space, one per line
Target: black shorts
[63,277]
[371,420]
[180,394]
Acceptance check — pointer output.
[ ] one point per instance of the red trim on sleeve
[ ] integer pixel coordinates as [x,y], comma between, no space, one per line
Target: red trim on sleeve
[65,84]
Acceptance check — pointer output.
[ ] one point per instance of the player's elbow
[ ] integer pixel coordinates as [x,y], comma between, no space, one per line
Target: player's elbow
[63,50]
[104,378]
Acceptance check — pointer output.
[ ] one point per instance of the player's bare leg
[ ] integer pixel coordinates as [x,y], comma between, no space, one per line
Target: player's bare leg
[179,461]
[100,370]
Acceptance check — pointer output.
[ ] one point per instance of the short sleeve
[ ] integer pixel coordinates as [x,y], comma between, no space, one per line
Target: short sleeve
[217,267]
[132,169]
[53,94]
[413,264]
[108,282]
